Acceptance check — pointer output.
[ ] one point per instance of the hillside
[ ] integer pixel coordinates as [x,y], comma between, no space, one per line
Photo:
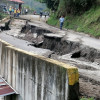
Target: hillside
[80,15]
[35,5]
[88,22]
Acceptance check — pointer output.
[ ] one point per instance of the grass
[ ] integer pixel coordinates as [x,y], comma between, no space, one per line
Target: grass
[53,21]
[86,99]
[89,22]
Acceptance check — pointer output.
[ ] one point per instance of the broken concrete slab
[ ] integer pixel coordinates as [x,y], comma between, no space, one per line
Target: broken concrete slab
[51,35]
[22,44]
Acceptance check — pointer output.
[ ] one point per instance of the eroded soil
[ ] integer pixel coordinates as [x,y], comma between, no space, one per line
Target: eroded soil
[66,46]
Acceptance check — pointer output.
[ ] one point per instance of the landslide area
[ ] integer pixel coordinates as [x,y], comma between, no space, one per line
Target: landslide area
[85,57]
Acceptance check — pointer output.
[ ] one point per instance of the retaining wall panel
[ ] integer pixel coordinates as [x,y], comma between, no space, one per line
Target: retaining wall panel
[35,77]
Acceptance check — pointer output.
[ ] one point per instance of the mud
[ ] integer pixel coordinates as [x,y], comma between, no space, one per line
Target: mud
[85,57]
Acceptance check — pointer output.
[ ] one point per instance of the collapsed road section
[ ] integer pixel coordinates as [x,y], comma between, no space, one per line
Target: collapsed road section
[66,46]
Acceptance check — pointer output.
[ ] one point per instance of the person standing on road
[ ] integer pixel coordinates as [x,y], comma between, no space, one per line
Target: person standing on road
[41,13]
[10,10]
[45,14]
[61,22]
[15,12]
[26,11]
[18,12]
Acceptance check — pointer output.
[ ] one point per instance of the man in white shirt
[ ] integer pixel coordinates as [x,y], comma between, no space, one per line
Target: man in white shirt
[61,22]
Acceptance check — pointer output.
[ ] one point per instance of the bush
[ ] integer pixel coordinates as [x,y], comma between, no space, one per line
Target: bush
[79,6]
[64,7]
[74,6]
[53,20]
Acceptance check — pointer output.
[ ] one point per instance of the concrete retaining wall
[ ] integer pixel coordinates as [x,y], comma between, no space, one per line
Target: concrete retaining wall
[35,77]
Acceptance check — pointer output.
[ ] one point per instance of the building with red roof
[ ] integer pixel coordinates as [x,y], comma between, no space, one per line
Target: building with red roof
[19,2]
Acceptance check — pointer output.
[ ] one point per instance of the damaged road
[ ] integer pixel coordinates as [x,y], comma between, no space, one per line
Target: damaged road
[71,47]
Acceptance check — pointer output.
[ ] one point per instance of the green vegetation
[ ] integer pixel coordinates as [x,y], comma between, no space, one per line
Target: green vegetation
[86,99]
[53,21]
[88,22]
[30,10]
[63,7]
[80,15]
[2,15]
[34,4]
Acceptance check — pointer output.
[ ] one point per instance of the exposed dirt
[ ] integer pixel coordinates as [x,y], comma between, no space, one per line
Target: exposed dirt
[86,58]
[88,89]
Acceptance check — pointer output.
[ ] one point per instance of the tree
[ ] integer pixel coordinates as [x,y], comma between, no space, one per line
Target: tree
[64,7]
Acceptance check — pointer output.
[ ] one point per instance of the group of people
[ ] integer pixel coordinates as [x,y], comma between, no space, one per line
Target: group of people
[13,11]
[44,13]
[16,13]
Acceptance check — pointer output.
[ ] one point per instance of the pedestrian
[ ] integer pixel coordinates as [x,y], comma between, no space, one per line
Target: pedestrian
[26,11]
[61,22]
[34,12]
[18,12]
[10,10]
[45,14]
[5,9]
[40,15]
[48,13]
[15,12]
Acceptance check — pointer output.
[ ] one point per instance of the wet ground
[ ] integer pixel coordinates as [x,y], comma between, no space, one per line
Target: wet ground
[71,47]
